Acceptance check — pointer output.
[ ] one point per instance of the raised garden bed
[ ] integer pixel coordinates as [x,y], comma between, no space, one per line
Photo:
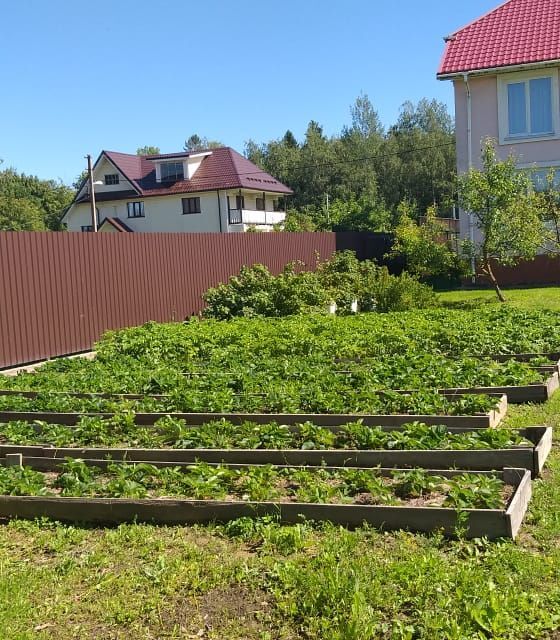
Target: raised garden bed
[552,356]
[490,523]
[531,456]
[517,394]
[478,421]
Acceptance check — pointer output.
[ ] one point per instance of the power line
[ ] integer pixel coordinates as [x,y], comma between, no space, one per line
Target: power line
[361,159]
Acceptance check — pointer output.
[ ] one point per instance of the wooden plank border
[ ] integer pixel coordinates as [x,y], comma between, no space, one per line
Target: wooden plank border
[477,421]
[526,457]
[517,394]
[491,523]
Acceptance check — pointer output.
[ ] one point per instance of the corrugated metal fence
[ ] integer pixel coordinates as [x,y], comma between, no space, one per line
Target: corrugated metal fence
[60,291]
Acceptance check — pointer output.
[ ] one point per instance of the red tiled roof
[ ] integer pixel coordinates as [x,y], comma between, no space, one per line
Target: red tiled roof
[517,32]
[223,169]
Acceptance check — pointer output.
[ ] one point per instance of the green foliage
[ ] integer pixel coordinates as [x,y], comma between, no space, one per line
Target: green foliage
[20,214]
[147,151]
[549,197]
[343,279]
[416,483]
[22,481]
[30,204]
[202,481]
[366,171]
[256,292]
[196,143]
[425,246]
[505,209]
[474,492]
[298,221]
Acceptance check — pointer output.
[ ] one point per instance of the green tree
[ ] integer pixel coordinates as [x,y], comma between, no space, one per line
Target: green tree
[550,203]
[50,197]
[147,151]
[298,221]
[196,143]
[417,159]
[20,214]
[425,247]
[506,210]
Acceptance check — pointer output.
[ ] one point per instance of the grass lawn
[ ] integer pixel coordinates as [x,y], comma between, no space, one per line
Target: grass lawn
[530,298]
[257,580]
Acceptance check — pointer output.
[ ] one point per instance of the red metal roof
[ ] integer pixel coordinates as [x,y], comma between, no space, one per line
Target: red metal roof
[517,32]
[223,169]
[118,224]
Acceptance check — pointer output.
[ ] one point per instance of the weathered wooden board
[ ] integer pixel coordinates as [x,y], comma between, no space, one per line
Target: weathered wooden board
[527,457]
[490,523]
[517,394]
[479,421]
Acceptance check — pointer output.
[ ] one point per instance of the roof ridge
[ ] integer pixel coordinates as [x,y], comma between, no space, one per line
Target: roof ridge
[482,17]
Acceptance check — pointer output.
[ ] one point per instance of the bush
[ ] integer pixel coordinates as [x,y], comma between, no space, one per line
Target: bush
[342,279]
[256,292]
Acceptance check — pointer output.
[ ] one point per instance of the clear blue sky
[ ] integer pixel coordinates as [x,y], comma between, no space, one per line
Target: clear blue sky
[78,77]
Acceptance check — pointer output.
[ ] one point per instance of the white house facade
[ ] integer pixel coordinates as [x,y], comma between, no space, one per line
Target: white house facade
[205,191]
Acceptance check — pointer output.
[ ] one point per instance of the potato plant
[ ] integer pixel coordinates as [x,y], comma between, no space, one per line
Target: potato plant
[120,431]
[203,481]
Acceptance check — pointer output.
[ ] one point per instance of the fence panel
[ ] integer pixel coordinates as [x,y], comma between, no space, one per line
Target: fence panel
[60,291]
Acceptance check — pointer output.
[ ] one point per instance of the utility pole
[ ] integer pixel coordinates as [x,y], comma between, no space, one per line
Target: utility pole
[328,215]
[92,195]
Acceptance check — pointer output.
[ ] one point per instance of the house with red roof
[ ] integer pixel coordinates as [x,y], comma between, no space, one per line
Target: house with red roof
[217,190]
[504,67]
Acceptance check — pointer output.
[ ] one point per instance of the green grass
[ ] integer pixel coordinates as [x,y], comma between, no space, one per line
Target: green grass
[257,580]
[530,298]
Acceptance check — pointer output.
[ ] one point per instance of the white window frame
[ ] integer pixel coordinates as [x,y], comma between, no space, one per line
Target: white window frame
[136,208]
[503,121]
[176,177]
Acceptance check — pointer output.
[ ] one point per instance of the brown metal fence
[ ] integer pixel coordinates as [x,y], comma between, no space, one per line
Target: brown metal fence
[60,291]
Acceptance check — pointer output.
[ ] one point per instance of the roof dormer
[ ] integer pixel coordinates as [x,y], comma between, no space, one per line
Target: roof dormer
[177,167]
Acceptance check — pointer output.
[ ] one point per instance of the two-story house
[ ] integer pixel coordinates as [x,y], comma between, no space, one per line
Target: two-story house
[204,191]
[504,67]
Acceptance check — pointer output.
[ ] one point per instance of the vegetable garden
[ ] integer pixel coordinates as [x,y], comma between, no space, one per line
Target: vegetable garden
[257,416]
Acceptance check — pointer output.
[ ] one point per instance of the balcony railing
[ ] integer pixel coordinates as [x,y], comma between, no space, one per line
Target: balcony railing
[250,216]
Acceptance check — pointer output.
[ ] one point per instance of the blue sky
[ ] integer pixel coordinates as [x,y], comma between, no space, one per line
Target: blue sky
[118,74]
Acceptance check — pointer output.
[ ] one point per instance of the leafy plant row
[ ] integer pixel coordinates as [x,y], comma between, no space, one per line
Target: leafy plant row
[121,431]
[292,364]
[282,397]
[266,483]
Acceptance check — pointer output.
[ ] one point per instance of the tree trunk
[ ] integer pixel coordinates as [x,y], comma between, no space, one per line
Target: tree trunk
[488,270]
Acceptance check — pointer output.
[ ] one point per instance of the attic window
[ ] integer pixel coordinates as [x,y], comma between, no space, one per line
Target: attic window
[172,171]
[111,178]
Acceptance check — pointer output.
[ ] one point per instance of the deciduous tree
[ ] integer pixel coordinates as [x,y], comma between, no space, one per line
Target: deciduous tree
[506,210]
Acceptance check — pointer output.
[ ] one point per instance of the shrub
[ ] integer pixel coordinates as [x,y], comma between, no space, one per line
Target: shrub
[343,279]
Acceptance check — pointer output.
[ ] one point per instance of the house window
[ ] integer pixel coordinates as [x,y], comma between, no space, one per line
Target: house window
[240,202]
[541,180]
[528,106]
[191,205]
[259,204]
[111,178]
[135,209]
[87,227]
[172,171]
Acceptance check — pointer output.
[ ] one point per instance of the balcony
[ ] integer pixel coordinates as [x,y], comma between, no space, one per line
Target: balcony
[252,217]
